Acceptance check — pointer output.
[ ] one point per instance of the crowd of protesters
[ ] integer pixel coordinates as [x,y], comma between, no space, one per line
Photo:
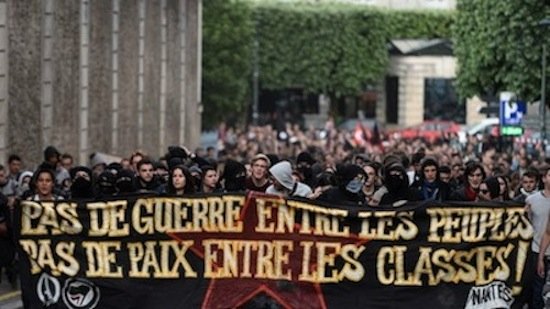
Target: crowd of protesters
[329,165]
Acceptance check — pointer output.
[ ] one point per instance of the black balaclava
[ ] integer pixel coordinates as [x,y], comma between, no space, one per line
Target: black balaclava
[304,163]
[234,175]
[125,182]
[396,184]
[80,186]
[347,174]
[106,184]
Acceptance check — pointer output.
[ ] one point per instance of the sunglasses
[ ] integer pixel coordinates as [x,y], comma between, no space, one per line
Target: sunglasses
[484,191]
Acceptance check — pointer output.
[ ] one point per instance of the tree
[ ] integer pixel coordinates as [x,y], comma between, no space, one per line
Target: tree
[226,62]
[498,47]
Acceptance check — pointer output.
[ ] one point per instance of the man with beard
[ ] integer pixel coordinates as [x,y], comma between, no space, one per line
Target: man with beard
[146,181]
[396,183]
[81,183]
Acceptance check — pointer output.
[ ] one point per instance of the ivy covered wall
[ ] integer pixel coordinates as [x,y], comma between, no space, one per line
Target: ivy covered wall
[334,49]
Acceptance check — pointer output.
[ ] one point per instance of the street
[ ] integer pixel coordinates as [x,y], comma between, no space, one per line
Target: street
[9,298]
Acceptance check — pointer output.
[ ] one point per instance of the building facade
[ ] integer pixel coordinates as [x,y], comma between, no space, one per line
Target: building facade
[107,76]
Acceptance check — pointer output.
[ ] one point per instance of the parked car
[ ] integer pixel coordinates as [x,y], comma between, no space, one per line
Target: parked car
[430,130]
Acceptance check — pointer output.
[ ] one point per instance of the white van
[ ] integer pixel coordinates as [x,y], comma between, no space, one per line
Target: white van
[488,126]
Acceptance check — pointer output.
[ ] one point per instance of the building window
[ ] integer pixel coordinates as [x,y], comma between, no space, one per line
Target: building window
[392,99]
[441,101]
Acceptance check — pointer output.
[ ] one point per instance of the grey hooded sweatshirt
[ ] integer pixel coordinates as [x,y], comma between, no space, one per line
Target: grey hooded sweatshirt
[282,172]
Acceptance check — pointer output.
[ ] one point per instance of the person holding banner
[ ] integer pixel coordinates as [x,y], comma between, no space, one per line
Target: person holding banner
[259,178]
[7,245]
[429,187]
[146,181]
[529,184]
[81,183]
[44,183]
[210,178]
[180,181]
[474,175]
[489,190]
[538,209]
[351,179]
[284,184]
[396,184]
[234,176]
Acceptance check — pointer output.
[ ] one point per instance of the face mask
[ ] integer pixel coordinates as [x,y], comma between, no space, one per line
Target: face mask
[235,185]
[394,183]
[81,184]
[354,185]
[125,185]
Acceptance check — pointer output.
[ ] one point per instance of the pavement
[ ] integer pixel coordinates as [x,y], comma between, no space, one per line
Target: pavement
[10,297]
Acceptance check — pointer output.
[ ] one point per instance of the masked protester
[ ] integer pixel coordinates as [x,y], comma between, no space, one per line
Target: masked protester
[351,179]
[234,176]
[125,183]
[105,184]
[81,183]
[304,166]
[396,183]
[283,182]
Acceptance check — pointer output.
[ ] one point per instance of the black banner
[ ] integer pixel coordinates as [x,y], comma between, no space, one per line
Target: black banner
[226,251]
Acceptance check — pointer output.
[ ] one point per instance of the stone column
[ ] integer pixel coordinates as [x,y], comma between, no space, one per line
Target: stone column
[182,30]
[115,17]
[4,126]
[142,13]
[163,82]
[193,73]
[83,85]
[47,72]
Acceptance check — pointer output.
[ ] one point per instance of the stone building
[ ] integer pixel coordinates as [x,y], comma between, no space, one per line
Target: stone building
[419,85]
[109,76]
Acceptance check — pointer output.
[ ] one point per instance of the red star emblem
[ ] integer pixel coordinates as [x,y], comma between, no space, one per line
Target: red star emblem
[300,259]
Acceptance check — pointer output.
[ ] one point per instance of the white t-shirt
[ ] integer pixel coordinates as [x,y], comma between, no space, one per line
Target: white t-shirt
[538,214]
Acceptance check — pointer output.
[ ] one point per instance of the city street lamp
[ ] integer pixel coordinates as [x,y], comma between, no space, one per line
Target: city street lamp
[543,23]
